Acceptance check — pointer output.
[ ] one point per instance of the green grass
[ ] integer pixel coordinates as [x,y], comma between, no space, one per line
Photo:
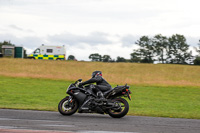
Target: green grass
[28,93]
[43,94]
[176,102]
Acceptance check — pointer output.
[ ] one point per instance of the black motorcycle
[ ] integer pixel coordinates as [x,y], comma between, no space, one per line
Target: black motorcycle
[85,100]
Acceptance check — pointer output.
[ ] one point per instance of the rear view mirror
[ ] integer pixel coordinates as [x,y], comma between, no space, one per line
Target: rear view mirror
[80,80]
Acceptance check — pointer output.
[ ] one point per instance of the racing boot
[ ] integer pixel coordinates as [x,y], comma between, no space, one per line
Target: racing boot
[100,96]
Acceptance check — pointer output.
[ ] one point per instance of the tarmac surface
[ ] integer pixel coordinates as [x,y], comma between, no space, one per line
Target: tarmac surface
[17,121]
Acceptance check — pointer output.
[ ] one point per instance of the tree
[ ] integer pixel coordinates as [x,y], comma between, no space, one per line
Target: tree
[161,45]
[106,58]
[71,57]
[5,43]
[198,48]
[178,50]
[146,49]
[197,61]
[120,59]
[95,57]
[135,56]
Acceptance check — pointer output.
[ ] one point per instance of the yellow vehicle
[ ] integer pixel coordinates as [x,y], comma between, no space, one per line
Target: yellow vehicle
[49,53]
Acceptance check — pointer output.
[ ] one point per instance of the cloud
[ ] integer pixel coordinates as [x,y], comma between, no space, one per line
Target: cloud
[192,41]
[95,38]
[30,42]
[129,40]
[19,28]
[15,27]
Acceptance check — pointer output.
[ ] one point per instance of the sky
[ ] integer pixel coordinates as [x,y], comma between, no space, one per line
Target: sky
[107,27]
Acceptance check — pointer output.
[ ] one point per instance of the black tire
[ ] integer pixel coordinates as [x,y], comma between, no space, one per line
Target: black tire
[31,58]
[121,110]
[67,108]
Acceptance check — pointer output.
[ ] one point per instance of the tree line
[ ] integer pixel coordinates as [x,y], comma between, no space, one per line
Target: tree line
[106,58]
[160,49]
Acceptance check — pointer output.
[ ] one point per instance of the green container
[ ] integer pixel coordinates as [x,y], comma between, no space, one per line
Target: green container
[19,52]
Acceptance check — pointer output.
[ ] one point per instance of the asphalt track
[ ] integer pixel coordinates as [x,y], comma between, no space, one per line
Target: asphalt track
[16,121]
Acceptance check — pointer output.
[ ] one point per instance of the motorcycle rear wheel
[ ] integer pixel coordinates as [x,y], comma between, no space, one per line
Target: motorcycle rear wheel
[121,109]
[66,107]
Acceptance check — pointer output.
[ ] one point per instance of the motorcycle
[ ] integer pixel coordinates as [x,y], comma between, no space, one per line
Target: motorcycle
[85,100]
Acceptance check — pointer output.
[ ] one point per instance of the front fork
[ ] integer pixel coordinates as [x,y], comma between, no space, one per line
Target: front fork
[70,99]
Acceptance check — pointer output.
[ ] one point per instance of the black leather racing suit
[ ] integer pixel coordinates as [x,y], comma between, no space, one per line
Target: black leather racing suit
[101,84]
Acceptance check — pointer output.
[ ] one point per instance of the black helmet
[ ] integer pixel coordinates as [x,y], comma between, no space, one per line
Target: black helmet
[96,73]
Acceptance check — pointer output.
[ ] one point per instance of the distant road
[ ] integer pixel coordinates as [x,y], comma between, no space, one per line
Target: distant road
[46,121]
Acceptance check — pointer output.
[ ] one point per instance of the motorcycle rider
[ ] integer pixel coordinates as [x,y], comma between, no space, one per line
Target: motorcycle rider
[101,84]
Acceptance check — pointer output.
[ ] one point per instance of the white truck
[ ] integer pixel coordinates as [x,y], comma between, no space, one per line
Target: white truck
[49,53]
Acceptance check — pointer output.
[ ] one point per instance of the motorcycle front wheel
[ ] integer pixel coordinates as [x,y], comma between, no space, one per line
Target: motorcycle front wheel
[120,109]
[67,106]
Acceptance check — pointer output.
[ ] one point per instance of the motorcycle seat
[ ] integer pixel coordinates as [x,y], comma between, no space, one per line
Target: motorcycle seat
[118,88]
[107,92]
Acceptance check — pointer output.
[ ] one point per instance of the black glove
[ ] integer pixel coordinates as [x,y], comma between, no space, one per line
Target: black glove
[80,85]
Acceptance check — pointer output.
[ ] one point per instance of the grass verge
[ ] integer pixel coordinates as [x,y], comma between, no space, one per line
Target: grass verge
[116,73]
[43,94]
